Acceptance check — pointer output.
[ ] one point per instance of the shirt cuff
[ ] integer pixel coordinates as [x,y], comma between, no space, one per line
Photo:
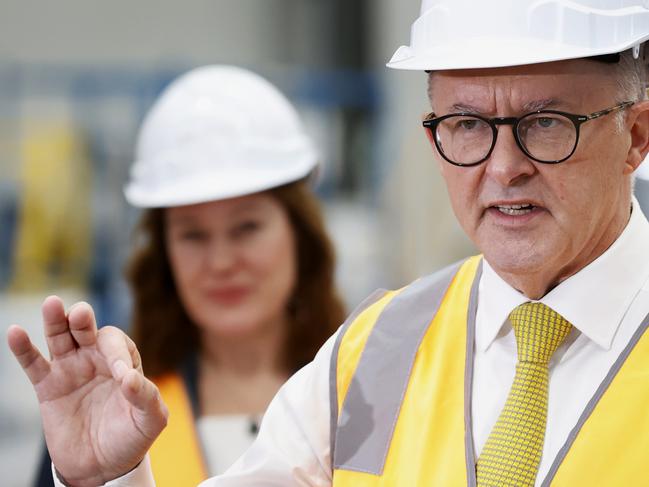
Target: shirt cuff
[140,476]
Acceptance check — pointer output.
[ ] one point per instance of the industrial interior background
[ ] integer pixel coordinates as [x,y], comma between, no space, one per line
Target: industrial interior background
[76,78]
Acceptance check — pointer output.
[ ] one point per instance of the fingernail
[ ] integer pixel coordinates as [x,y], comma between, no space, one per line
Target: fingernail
[76,305]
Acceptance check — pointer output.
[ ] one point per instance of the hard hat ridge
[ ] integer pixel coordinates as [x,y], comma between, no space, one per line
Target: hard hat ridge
[217,132]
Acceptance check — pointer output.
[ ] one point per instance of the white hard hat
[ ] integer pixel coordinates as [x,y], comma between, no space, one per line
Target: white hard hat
[217,132]
[464,34]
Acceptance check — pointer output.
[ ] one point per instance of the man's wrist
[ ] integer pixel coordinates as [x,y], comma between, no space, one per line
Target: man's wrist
[60,481]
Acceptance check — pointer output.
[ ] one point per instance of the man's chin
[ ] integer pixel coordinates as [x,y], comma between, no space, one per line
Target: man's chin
[516,260]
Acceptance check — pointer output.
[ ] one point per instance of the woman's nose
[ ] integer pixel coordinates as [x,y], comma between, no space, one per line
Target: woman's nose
[221,255]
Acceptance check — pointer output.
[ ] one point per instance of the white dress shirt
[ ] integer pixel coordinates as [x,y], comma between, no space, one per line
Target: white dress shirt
[605,302]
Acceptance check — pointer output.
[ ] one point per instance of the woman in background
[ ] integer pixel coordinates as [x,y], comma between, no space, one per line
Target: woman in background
[231,246]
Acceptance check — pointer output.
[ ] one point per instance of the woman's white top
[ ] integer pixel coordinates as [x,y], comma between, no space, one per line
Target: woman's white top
[225,438]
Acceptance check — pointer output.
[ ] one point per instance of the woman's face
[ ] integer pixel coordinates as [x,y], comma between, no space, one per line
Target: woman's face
[234,262]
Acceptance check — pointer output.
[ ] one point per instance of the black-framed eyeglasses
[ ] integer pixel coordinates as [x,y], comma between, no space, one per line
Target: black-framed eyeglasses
[546,136]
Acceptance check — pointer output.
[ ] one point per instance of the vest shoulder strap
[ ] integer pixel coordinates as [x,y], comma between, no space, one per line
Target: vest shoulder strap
[361,432]
[333,383]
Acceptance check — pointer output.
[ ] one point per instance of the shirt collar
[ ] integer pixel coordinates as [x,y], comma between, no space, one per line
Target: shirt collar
[594,300]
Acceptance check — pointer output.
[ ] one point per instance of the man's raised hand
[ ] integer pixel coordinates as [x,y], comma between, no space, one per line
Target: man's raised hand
[100,414]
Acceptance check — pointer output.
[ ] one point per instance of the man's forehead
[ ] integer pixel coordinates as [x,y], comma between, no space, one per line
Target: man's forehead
[565,82]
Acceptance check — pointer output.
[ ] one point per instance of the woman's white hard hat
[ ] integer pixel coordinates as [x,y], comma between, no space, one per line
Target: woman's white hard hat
[465,34]
[217,132]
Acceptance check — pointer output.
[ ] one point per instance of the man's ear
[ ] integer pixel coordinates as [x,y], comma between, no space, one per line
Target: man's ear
[431,141]
[429,133]
[638,120]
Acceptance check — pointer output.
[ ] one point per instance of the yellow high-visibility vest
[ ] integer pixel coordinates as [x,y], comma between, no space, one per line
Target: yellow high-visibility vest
[176,455]
[401,405]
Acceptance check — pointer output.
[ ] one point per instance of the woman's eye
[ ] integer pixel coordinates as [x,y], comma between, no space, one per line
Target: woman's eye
[193,235]
[247,227]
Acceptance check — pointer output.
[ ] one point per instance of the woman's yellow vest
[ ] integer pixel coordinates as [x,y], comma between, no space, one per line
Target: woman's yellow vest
[176,455]
[401,397]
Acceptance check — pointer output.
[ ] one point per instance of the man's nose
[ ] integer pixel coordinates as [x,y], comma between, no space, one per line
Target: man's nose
[508,164]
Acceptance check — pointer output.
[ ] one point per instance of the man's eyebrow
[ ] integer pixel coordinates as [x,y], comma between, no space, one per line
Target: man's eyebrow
[461,107]
[544,104]
[531,106]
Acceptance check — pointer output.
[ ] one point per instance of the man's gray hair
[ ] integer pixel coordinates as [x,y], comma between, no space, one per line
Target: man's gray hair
[631,79]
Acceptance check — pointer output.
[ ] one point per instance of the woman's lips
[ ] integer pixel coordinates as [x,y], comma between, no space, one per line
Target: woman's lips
[229,295]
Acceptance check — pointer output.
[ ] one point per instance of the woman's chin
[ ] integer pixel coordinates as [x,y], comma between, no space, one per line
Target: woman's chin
[242,325]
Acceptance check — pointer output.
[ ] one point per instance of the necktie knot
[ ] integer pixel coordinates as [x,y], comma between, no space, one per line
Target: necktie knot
[539,331]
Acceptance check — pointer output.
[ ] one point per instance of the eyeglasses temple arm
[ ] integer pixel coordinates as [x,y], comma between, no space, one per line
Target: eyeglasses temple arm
[601,113]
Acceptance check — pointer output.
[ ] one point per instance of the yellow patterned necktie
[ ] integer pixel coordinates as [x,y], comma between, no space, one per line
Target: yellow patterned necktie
[513,450]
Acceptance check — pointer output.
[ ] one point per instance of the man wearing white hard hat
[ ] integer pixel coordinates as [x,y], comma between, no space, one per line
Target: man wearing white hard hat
[524,366]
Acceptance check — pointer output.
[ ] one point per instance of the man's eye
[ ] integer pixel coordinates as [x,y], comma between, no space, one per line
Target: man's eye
[468,124]
[545,122]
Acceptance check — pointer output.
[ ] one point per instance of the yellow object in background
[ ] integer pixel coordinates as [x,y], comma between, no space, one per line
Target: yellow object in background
[53,241]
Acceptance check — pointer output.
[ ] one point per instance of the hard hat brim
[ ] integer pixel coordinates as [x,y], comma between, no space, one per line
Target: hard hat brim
[494,53]
[203,188]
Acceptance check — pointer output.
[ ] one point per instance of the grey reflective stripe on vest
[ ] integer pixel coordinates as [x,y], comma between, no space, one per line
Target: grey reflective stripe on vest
[373,401]
[469,451]
[590,407]
[333,371]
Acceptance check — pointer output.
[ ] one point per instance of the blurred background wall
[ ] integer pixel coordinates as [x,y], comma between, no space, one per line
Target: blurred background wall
[76,78]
